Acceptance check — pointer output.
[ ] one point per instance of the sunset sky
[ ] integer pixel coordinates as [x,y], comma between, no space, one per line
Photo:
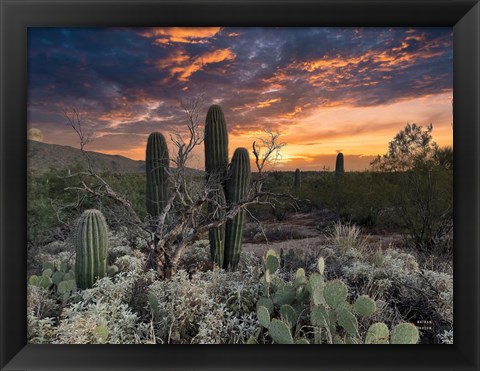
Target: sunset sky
[326,90]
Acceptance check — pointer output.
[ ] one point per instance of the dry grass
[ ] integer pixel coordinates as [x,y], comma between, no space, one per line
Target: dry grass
[346,237]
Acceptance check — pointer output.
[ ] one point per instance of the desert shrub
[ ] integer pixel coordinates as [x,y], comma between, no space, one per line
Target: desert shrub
[40,330]
[213,306]
[415,293]
[52,210]
[106,313]
[446,337]
[197,257]
[131,263]
[117,251]
[40,303]
[42,311]
[424,171]
[99,323]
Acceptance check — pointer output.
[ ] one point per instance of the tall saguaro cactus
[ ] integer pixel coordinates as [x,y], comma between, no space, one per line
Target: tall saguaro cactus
[238,180]
[216,143]
[339,167]
[216,162]
[91,248]
[157,163]
[297,179]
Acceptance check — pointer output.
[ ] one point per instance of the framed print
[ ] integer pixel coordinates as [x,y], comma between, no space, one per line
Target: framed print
[186,183]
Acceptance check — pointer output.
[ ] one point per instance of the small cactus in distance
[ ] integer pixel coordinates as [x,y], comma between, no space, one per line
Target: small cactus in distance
[339,164]
[91,248]
[297,180]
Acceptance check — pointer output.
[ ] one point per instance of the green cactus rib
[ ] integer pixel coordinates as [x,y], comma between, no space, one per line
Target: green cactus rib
[216,236]
[157,163]
[238,180]
[339,167]
[91,248]
[216,142]
[297,179]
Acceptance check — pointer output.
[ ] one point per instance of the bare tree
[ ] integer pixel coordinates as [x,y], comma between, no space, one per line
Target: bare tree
[183,220]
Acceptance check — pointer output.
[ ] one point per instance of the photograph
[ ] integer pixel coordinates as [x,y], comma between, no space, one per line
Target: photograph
[240,185]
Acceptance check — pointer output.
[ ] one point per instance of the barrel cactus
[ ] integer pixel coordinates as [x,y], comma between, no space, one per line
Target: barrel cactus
[91,248]
[297,179]
[238,179]
[339,167]
[157,163]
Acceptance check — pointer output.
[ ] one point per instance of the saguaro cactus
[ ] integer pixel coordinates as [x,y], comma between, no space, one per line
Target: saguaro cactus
[91,248]
[339,169]
[157,163]
[216,211]
[216,162]
[297,180]
[216,143]
[238,179]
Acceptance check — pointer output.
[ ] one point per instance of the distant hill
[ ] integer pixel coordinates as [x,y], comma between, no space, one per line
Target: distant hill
[43,156]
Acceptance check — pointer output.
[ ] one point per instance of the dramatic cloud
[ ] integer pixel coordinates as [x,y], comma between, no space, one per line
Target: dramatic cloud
[183,66]
[324,88]
[189,35]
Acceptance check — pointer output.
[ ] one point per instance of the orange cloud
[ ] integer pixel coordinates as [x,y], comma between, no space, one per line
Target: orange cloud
[248,106]
[181,65]
[176,57]
[335,62]
[268,102]
[188,35]
[336,71]
[291,115]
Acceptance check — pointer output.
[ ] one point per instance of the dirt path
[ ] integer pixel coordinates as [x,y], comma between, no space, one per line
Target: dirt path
[311,244]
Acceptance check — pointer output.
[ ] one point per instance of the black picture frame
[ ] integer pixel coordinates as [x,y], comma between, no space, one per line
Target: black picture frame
[18,15]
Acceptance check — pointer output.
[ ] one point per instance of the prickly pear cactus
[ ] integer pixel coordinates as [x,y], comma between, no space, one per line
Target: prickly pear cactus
[157,164]
[404,333]
[364,306]
[377,333]
[91,248]
[280,332]
[263,316]
[310,302]
[335,293]
[288,314]
[348,321]
[271,261]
